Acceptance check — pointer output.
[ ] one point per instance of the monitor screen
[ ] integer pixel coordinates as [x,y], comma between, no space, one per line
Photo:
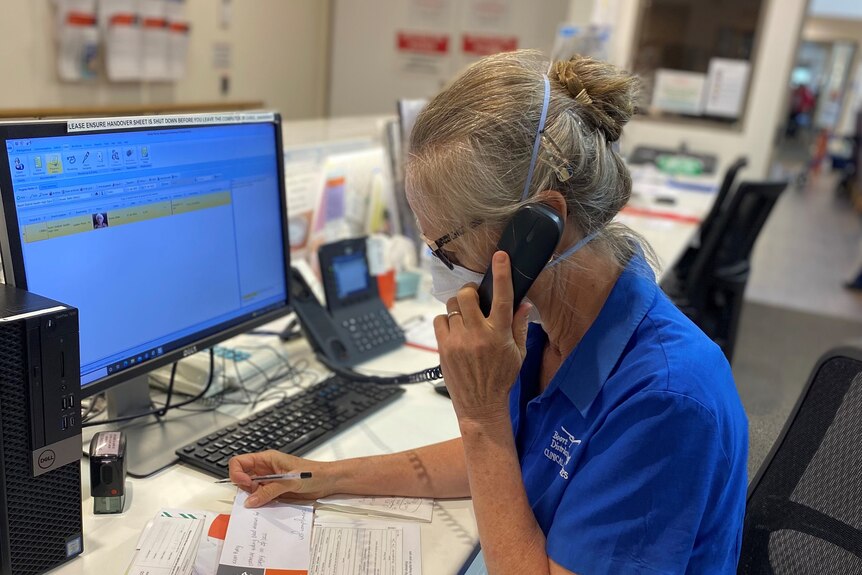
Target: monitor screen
[351,274]
[159,237]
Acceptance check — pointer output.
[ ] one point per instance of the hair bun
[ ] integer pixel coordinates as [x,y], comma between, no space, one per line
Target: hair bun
[606,95]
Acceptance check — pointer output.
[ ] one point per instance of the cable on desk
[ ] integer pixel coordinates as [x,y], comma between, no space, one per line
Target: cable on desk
[426,375]
[159,412]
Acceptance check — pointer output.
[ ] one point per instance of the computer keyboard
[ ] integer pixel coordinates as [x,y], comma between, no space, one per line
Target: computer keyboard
[294,425]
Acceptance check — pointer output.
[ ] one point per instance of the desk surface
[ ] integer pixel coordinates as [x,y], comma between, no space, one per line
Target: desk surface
[420,417]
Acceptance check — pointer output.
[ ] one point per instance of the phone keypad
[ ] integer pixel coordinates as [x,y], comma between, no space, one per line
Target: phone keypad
[373,329]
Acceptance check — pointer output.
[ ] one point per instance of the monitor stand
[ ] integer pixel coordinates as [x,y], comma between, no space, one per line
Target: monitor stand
[150,441]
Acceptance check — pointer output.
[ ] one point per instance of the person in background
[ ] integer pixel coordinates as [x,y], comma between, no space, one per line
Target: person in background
[601,431]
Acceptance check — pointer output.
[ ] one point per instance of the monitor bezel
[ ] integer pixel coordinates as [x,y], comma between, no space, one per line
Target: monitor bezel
[13,257]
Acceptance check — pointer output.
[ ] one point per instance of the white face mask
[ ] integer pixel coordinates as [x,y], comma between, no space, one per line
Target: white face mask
[446,282]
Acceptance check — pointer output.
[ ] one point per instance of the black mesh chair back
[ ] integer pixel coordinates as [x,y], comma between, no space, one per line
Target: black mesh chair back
[731,239]
[679,274]
[712,295]
[721,196]
[804,509]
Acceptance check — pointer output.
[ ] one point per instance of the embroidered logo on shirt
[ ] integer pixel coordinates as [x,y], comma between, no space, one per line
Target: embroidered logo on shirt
[560,450]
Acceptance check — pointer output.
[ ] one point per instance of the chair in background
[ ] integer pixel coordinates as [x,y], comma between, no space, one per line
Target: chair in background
[804,506]
[714,288]
[678,275]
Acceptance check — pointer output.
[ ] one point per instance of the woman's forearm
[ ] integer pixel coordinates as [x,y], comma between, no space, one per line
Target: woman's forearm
[512,541]
[436,470]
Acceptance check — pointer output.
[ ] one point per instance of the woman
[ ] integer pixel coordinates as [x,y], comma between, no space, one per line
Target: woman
[609,437]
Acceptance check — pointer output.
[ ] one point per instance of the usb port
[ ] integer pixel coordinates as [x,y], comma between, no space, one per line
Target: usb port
[71,421]
[65,401]
[65,423]
[71,400]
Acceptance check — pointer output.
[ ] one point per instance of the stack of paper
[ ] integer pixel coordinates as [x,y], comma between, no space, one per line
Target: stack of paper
[168,546]
[267,540]
[414,508]
[359,546]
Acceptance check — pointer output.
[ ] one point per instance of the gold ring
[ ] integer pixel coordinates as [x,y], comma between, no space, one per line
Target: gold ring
[452,313]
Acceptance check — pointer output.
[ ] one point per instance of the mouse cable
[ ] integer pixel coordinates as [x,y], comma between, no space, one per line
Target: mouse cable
[426,375]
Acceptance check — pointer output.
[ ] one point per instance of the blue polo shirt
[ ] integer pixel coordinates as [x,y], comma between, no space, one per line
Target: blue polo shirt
[634,457]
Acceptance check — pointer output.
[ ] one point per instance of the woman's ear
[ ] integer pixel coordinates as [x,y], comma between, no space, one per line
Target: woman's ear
[554,200]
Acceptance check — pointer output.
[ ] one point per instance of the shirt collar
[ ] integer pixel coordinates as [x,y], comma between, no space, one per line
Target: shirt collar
[585,370]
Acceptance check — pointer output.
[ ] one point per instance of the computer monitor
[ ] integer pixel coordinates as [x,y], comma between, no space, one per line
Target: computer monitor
[168,233]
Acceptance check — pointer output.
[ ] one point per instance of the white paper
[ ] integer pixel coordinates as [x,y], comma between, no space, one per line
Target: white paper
[726,83]
[78,41]
[178,41]
[487,15]
[421,334]
[155,40]
[211,539]
[345,546]
[677,91]
[122,39]
[276,536]
[168,547]
[415,508]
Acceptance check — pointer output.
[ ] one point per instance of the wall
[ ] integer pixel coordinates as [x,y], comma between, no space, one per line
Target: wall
[774,56]
[366,73]
[279,55]
[831,30]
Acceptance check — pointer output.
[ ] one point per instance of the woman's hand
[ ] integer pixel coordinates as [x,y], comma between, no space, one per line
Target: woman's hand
[242,467]
[480,356]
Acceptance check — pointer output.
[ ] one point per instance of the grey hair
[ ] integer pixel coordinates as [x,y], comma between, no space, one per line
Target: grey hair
[471,148]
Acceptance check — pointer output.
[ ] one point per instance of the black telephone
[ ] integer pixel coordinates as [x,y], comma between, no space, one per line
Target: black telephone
[529,238]
[356,326]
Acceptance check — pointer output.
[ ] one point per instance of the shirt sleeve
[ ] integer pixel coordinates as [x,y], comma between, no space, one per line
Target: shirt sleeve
[636,500]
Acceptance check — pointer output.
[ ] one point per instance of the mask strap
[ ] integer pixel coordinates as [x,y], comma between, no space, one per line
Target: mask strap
[584,241]
[538,141]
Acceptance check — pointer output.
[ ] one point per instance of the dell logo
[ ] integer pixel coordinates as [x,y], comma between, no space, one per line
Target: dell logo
[46,459]
[190,350]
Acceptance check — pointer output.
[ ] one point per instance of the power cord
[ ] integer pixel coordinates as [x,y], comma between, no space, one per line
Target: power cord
[160,412]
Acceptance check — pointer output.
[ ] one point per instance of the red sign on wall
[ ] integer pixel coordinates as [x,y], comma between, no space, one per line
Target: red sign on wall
[423,43]
[487,45]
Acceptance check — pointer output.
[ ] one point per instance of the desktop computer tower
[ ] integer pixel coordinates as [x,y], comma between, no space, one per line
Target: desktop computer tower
[40,433]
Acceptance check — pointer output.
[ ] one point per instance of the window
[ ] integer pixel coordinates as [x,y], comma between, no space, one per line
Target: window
[695,57]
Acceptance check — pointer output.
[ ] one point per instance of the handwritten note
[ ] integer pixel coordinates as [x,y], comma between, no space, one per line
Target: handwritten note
[264,540]
[401,507]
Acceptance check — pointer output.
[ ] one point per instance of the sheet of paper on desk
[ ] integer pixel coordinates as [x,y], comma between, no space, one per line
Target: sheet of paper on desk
[211,539]
[359,546]
[168,547]
[421,334]
[270,539]
[415,508]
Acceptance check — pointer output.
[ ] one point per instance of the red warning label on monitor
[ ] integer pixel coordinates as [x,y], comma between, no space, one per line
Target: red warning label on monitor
[478,45]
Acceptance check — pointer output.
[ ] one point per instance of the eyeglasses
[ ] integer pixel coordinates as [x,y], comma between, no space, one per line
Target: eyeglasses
[436,246]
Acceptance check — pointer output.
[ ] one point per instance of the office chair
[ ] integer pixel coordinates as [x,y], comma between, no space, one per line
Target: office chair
[713,291]
[678,275]
[804,506]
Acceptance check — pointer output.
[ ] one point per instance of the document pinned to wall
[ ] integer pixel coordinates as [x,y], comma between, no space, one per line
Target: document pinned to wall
[415,508]
[178,38]
[678,91]
[353,546]
[119,21]
[155,38]
[726,83]
[272,539]
[77,40]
